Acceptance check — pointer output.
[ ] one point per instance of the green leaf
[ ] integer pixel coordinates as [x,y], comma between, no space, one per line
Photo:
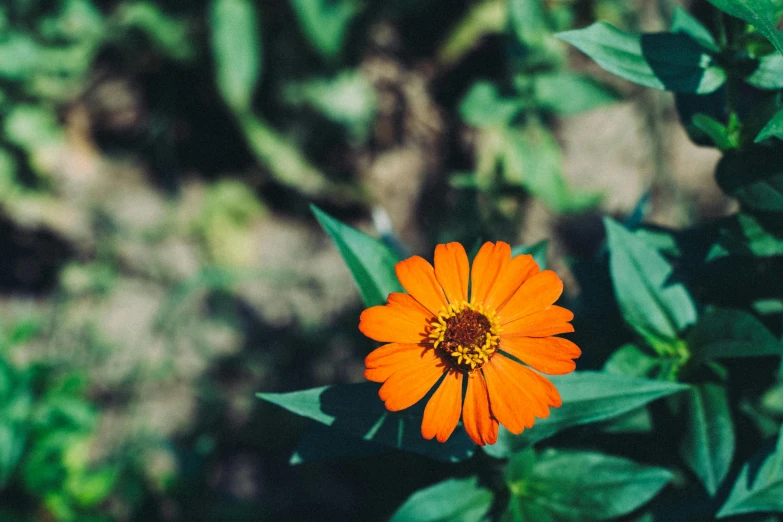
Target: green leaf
[459,500]
[567,93]
[532,159]
[355,410]
[483,106]
[13,438]
[347,99]
[759,491]
[325,23]
[537,250]
[745,235]
[587,397]
[371,262]
[715,130]
[774,128]
[668,61]
[708,445]
[654,305]
[577,485]
[20,56]
[724,332]
[236,47]
[768,73]
[171,36]
[753,175]
[684,22]
[632,361]
[761,14]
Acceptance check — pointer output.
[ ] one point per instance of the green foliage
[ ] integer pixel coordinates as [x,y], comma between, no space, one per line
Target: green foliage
[460,500]
[761,14]
[654,305]
[708,444]
[236,45]
[371,262]
[577,485]
[325,23]
[587,397]
[723,332]
[671,61]
[758,488]
[354,410]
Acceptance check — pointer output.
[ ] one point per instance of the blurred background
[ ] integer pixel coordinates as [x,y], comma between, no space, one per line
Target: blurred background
[159,263]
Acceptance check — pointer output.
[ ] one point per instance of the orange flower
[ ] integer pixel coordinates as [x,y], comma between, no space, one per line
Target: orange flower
[438,334]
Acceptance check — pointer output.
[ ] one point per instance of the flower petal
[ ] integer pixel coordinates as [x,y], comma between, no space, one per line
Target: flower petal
[408,385]
[403,320]
[383,362]
[517,392]
[452,270]
[510,404]
[551,321]
[518,270]
[535,294]
[417,276]
[481,426]
[551,355]
[489,263]
[443,409]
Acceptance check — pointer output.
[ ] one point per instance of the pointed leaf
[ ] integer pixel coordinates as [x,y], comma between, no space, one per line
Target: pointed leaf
[371,262]
[587,397]
[708,444]
[354,410]
[325,22]
[236,47]
[773,128]
[668,61]
[768,73]
[761,14]
[759,491]
[484,106]
[684,22]
[576,485]
[460,500]
[654,305]
[725,332]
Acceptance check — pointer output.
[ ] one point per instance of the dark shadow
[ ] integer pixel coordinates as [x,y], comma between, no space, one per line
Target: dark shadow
[32,258]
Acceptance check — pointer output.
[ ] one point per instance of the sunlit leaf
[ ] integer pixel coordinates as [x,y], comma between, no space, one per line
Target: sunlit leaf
[758,488]
[568,93]
[651,302]
[371,262]
[669,61]
[761,14]
[587,397]
[325,22]
[458,500]
[684,22]
[355,410]
[347,99]
[632,361]
[577,485]
[484,106]
[708,444]
[170,35]
[484,18]
[236,47]
[531,158]
[768,73]
[716,131]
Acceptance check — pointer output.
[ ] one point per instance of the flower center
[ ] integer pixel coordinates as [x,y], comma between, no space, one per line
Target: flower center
[466,335]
